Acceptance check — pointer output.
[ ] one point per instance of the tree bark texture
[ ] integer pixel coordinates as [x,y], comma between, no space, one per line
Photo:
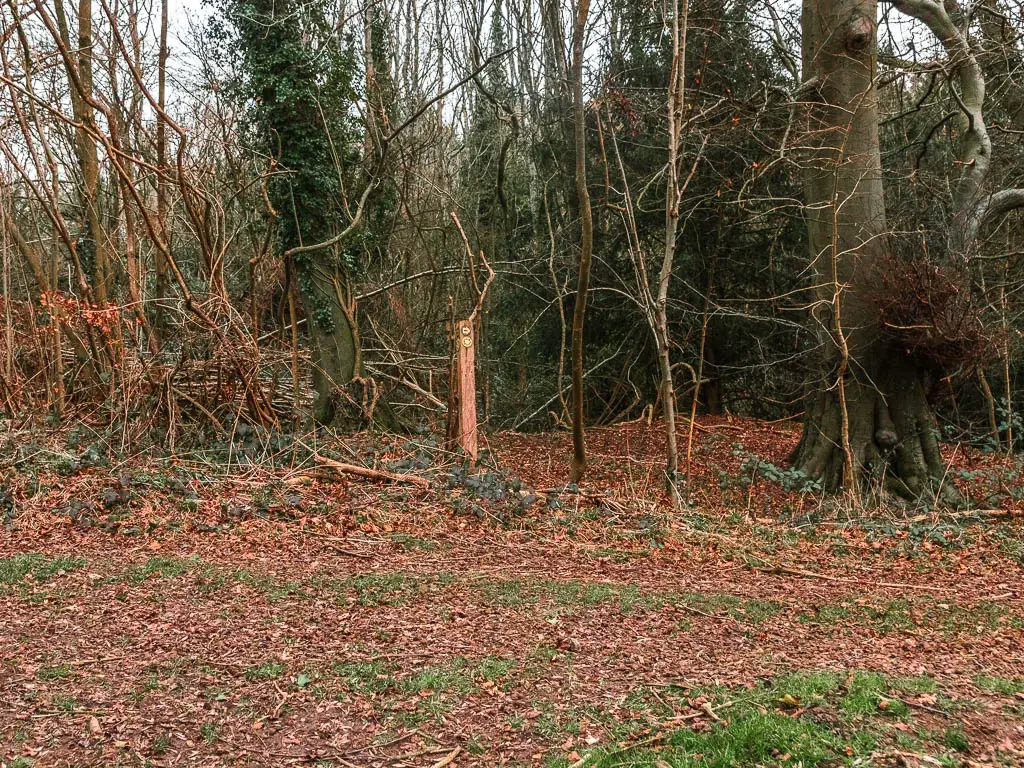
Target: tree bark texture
[870,415]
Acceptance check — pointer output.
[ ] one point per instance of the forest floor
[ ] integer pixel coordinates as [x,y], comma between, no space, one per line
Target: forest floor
[190,613]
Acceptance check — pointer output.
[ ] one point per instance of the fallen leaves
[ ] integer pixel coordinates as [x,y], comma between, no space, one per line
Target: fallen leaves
[572,596]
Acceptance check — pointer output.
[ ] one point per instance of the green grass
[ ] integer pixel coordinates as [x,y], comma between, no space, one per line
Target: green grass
[365,676]
[161,744]
[37,568]
[903,615]
[275,591]
[956,739]
[408,542]
[65,703]
[494,668]
[377,589]
[268,670]
[436,687]
[455,676]
[54,673]
[753,738]
[1004,685]
[162,567]
[743,610]
[802,718]
[868,694]
[151,684]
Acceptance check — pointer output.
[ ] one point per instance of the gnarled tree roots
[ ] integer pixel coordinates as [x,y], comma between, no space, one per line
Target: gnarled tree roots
[893,436]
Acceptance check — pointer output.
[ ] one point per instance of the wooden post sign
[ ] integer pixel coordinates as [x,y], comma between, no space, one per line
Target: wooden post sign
[465,384]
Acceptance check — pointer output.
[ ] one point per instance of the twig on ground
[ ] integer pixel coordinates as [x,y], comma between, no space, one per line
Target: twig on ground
[967,514]
[447,759]
[813,575]
[328,544]
[925,707]
[635,745]
[906,757]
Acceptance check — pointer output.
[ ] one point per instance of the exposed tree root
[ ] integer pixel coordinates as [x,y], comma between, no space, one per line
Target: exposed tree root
[894,436]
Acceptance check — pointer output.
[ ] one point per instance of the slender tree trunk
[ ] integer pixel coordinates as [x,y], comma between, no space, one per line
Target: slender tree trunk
[159,263]
[95,247]
[5,247]
[579,450]
[676,89]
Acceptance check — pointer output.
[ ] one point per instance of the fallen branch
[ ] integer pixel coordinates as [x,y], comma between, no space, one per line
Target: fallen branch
[340,550]
[925,707]
[771,566]
[372,474]
[967,514]
[785,569]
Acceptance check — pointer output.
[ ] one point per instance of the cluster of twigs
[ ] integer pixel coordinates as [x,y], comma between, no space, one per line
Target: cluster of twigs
[928,313]
[68,356]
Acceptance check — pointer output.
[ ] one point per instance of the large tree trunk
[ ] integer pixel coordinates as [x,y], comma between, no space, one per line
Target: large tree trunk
[335,337]
[870,413]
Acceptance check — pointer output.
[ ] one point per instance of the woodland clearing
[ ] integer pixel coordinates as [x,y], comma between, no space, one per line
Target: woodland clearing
[178,613]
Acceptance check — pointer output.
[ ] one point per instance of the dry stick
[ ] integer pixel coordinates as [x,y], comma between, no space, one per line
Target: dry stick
[373,474]
[131,250]
[385,143]
[49,201]
[969,514]
[1006,363]
[261,407]
[447,759]
[773,567]
[850,468]
[407,279]
[341,550]
[990,405]
[80,73]
[161,161]
[481,292]
[290,282]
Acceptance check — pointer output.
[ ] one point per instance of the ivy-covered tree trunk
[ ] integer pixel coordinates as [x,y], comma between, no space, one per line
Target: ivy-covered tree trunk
[870,413]
[298,84]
